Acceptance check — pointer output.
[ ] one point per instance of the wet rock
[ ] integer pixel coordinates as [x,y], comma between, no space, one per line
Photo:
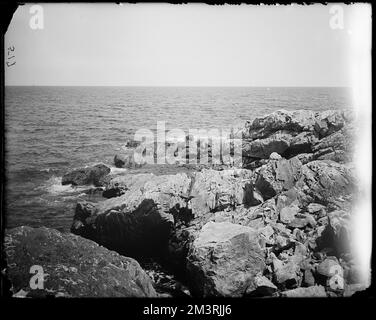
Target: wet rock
[309,292]
[86,175]
[72,266]
[224,260]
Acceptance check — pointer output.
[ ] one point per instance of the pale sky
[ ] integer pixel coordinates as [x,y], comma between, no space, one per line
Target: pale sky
[182,45]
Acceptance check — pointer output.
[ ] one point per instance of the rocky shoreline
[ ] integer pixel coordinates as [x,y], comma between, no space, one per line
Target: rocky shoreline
[278,224]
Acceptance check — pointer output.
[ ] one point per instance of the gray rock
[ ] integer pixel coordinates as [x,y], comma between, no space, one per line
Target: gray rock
[329,267]
[128,159]
[294,132]
[86,176]
[309,292]
[224,260]
[277,176]
[72,266]
[288,214]
[286,273]
[261,286]
[139,221]
[274,156]
[324,182]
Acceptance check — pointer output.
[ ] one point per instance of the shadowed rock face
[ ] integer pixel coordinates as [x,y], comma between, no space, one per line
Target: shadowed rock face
[140,221]
[72,266]
[86,176]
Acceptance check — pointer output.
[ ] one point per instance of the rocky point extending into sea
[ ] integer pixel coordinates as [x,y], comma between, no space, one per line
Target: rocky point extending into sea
[278,224]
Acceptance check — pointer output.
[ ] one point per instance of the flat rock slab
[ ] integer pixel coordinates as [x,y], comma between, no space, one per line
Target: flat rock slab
[72,266]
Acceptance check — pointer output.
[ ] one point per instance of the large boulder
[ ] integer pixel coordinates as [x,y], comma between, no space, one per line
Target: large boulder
[224,260]
[87,175]
[71,266]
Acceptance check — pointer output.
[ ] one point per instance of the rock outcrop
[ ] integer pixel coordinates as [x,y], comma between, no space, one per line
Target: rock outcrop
[274,230]
[69,266]
[324,135]
[86,176]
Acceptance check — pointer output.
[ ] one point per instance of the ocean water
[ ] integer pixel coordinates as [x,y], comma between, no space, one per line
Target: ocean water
[49,130]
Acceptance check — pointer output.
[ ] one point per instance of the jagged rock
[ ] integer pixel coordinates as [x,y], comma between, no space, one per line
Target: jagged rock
[337,146]
[86,175]
[72,266]
[277,176]
[302,220]
[324,182]
[277,142]
[304,158]
[286,273]
[216,190]
[139,221]
[315,208]
[293,132]
[261,286]
[224,259]
[309,292]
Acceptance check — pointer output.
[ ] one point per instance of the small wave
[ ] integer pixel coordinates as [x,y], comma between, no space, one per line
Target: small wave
[116,171]
[73,197]
[53,186]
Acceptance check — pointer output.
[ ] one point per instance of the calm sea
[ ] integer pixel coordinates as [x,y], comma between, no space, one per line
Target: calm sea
[49,130]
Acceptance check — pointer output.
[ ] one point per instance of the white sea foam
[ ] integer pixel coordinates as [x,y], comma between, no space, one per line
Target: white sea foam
[116,171]
[53,186]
